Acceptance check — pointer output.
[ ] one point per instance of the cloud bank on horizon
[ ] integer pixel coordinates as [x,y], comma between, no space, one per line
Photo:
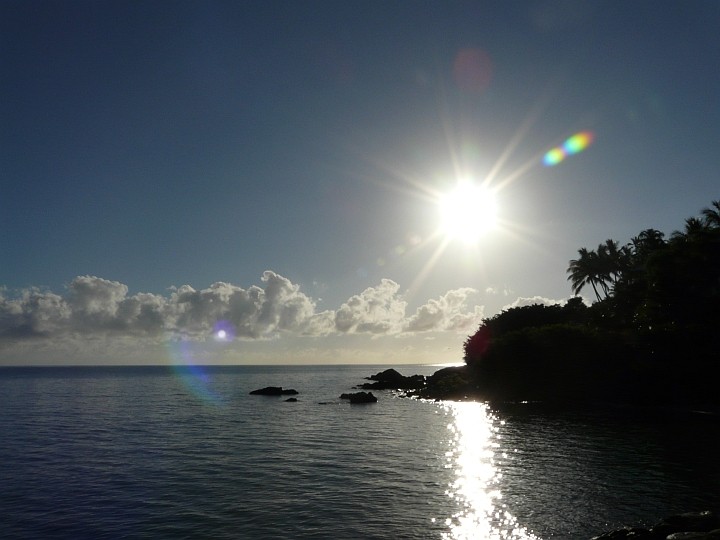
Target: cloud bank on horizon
[97,307]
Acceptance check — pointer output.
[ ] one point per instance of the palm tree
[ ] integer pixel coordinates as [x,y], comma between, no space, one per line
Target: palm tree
[711,215]
[695,228]
[645,243]
[600,269]
[584,271]
[613,261]
[640,249]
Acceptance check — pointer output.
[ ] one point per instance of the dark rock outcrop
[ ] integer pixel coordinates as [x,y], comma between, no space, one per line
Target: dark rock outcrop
[689,522]
[453,383]
[360,397]
[291,400]
[688,526]
[274,391]
[391,379]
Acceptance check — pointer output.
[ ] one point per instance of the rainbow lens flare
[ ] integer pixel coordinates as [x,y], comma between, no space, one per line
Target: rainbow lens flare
[185,363]
[574,145]
[554,156]
[189,358]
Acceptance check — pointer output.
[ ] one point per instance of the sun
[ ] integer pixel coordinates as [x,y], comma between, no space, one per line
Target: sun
[468,212]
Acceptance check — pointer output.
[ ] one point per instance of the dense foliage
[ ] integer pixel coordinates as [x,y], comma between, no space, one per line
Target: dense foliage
[651,334]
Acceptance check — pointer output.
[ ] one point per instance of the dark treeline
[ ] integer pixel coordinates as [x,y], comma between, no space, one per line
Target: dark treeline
[651,335]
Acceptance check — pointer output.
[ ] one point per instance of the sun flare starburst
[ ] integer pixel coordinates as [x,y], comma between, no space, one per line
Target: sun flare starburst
[475,216]
[468,212]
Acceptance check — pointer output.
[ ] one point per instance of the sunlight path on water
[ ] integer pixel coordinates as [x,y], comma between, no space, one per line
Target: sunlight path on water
[477,479]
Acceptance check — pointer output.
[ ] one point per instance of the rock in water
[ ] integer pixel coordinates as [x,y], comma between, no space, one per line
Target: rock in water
[274,391]
[389,375]
[391,379]
[360,397]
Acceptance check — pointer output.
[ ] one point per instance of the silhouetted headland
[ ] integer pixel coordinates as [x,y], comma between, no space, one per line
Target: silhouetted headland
[650,338]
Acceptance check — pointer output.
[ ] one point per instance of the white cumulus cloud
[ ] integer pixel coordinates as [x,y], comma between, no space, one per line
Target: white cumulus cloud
[447,313]
[252,313]
[531,300]
[376,310]
[95,307]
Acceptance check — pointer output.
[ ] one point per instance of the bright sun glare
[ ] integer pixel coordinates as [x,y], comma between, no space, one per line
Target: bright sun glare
[468,212]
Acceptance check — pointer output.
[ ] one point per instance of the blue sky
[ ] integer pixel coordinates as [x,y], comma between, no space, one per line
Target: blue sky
[293,154]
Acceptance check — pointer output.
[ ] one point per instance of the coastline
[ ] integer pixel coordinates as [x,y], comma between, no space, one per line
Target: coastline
[460,383]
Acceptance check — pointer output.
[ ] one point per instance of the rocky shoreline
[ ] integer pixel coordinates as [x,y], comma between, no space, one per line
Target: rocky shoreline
[459,383]
[689,526]
[448,383]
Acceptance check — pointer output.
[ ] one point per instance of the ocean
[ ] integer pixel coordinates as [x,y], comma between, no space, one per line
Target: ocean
[185,452]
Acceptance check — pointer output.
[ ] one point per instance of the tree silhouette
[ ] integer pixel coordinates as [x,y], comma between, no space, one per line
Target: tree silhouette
[695,228]
[712,215]
[644,244]
[585,270]
[650,336]
[613,261]
[600,269]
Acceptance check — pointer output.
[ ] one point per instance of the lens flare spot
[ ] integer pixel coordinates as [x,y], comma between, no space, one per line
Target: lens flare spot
[573,145]
[578,142]
[223,331]
[554,156]
[186,360]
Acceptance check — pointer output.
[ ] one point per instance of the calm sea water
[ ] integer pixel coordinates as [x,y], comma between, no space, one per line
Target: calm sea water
[187,453]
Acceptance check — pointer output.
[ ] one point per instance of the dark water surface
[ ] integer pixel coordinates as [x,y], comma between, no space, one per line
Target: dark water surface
[186,453]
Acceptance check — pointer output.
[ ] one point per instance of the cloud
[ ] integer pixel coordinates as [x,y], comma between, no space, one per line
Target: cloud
[100,305]
[448,313]
[376,310]
[100,308]
[33,313]
[284,308]
[531,300]
[251,313]
[92,305]
[497,291]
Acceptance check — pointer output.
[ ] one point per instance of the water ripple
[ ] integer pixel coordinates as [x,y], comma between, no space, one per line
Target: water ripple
[141,455]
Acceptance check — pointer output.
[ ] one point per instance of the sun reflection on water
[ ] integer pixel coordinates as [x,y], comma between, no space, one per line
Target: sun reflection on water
[476,489]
